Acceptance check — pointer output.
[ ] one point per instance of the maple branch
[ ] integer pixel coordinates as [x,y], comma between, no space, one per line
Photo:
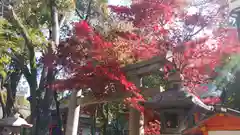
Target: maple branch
[188,37]
[78,13]
[199,30]
[205,25]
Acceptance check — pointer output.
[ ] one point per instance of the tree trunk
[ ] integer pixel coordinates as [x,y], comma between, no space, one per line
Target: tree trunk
[48,97]
[73,114]
[59,118]
[105,119]
[30,74]
[33,102]
[93,127]
[32,81]
[12,89]
[45,104]
[33,106]
[55,25]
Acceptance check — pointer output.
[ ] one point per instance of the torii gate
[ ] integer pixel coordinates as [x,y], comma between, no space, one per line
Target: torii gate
[134,73]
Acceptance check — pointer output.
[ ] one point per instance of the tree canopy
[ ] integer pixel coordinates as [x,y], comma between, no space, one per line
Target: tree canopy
[105,40]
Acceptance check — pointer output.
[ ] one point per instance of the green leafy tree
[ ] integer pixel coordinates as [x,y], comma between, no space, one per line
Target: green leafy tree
[26,18]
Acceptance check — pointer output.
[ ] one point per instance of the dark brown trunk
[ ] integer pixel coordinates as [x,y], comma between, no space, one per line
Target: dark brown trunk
[11,87]
[45,104]
[45,118]
[59,118]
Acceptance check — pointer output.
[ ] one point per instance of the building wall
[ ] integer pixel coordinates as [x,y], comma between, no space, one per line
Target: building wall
[223,132]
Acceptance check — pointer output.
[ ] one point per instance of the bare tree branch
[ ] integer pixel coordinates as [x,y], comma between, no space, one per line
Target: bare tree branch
[78,13]
[62,20]
[88,10]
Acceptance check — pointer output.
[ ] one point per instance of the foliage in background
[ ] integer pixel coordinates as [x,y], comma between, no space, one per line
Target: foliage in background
[37,13]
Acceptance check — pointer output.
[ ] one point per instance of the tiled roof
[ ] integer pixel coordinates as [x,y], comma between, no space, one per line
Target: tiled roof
[169,99]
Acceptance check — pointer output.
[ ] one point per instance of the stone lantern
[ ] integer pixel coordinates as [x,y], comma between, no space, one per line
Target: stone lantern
[173,107]
[13,125]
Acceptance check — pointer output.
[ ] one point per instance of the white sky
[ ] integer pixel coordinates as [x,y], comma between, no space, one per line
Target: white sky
[118,2]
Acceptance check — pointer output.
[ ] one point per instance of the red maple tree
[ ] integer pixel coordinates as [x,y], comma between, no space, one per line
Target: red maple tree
[93,63]
[195,58]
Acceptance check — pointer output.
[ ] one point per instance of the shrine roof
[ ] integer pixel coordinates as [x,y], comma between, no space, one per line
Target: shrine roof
[217,121]
[169,99]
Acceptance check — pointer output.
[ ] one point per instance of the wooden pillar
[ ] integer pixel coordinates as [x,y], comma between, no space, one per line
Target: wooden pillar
[135,118]
[73,114]
[134,122]
[204,130]
[205,133]
[141,124]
